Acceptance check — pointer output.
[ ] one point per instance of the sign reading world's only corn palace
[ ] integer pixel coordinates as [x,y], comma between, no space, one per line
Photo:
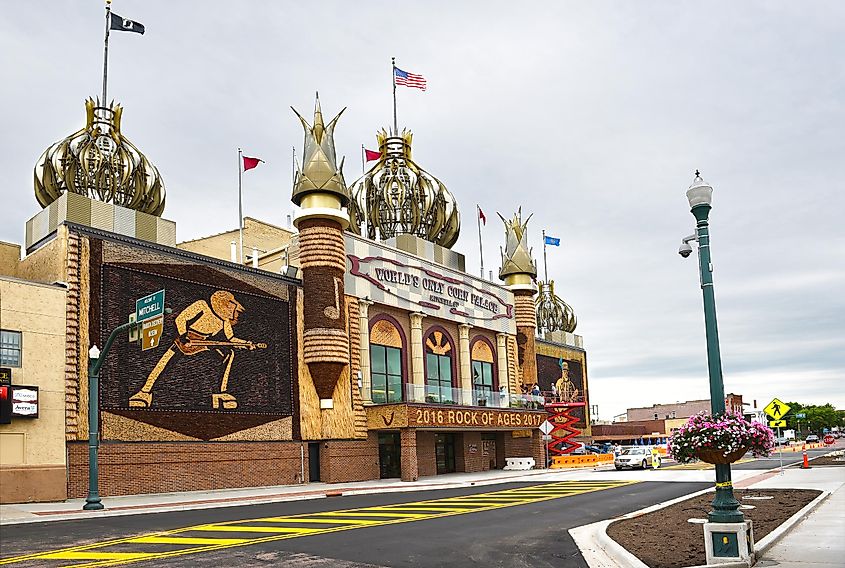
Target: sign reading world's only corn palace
[391,277]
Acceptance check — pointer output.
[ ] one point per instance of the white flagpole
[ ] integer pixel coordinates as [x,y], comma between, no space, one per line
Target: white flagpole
[393,74]
[480,248]
[363,161]
[545,262]
[105,103]
[240,207]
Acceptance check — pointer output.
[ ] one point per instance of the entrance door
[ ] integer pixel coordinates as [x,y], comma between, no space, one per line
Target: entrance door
[444,451]
[488,449]
[389,454]
[314,461]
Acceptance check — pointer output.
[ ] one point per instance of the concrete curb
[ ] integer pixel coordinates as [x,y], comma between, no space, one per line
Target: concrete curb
[206,503]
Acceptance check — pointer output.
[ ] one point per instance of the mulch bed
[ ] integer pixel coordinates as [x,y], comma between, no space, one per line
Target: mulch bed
[664,538]
[826,460]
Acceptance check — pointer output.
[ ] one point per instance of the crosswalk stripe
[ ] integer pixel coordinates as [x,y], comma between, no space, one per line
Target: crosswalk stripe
[91,555]
[249,528]
[322,520]
[376,514]
[187,540]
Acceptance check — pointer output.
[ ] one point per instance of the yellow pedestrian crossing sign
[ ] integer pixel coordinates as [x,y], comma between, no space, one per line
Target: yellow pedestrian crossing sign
[776,409]
[777,423]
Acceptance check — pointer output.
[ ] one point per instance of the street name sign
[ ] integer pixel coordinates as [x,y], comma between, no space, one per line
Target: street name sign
[800,415]
[150,306]
[776,409]
[149,311]
[546,427]
[777,423]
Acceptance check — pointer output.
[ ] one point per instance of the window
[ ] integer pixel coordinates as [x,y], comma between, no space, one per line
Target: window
[10,348]
[385,374]
[438,368]
[483,383]
[386,356]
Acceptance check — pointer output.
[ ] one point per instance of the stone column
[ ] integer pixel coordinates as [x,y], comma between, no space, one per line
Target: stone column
[465,366]
[502,362]
[417,359]
[409,467]
[364,325]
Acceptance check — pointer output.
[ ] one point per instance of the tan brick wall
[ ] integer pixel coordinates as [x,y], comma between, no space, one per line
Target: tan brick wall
[409,463]
[342,461]
[137,468]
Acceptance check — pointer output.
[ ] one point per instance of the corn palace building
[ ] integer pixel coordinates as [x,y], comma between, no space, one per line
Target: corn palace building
[352,345]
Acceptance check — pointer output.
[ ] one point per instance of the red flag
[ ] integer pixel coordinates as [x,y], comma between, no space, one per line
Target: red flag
[482,217]
[371,155]
[250,163]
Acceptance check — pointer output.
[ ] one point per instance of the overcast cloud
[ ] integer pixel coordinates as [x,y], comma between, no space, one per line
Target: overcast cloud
[590,115]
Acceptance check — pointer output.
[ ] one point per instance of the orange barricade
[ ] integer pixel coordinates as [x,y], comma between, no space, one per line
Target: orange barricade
[589,460]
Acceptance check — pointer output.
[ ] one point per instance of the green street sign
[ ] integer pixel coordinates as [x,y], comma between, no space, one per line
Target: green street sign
[800,415]
[150,306]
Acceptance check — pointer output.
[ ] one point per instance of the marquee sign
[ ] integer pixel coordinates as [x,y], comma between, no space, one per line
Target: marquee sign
[390,277]
[433,416]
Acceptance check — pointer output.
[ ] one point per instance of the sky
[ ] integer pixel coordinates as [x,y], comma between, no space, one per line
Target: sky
[591,116]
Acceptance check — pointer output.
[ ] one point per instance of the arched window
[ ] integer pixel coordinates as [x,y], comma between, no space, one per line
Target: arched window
[387,366]
[439,367]
[483,370]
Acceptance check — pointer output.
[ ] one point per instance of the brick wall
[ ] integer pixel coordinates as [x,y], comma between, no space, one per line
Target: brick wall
[349,460]
[161,467]
[426,458]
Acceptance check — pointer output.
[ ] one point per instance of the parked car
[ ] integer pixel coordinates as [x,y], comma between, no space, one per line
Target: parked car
[634,457]
[811,438]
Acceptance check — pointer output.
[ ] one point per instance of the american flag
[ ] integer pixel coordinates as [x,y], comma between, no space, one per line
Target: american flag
[408,79]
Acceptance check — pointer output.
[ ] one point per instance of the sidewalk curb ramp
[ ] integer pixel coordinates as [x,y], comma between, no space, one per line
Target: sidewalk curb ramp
[601,551]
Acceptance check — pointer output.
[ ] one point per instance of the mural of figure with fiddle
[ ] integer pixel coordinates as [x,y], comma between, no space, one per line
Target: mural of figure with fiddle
[199,326]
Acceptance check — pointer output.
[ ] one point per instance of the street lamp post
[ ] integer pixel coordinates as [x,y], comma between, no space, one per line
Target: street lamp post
[700,194]
[95,361]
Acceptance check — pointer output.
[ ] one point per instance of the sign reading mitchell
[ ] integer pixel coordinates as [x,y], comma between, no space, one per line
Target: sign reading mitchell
[391,277]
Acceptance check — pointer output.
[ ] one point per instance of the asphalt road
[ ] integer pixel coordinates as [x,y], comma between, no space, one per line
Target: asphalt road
[524,526]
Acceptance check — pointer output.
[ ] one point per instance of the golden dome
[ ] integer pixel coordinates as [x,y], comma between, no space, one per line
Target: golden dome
[397,196]
[99,162]
[553,314]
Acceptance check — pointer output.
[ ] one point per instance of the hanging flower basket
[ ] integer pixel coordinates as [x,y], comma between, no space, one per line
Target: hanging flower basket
[720,439]
[718,457]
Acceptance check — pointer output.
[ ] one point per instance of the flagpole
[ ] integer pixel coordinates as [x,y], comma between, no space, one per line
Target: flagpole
[545,262]
[104,103]
[395,123]
[363,161]
[480,249]
[240,206]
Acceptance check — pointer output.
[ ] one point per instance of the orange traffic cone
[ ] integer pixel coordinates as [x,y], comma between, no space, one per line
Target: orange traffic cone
[806,464]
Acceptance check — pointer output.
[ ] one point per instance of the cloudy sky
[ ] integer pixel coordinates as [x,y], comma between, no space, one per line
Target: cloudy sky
[592,116]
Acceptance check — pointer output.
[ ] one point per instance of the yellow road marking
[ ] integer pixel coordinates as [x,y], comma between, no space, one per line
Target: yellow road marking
[187,540]
[391,514]
[247,528]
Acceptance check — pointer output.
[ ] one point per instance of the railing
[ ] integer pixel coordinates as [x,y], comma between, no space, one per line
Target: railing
[429,394]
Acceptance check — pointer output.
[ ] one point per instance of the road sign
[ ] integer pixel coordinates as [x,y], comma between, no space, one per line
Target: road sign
[547,438]
[776,409]
[150,306]
[777,423]
[151,331]
[546,427]
[800,415]
[829,440]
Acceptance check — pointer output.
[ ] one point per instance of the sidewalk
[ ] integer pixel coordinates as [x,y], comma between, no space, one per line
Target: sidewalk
[817,541]
[162,502]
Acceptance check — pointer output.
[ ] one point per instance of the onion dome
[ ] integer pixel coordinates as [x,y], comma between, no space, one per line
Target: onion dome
[553,314]
[397,196]
[100,163]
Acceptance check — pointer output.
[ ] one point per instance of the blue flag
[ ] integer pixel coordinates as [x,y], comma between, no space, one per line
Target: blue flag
[554,241]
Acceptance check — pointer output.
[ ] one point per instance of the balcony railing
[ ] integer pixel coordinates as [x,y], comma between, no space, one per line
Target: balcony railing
[428,394]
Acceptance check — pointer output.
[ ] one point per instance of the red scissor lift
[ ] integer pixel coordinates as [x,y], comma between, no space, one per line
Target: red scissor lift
[560,415]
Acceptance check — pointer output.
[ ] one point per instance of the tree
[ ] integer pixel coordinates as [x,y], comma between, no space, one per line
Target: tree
[816,418]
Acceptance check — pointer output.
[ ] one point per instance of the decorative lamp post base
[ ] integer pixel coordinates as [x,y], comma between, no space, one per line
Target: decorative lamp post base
[92,503]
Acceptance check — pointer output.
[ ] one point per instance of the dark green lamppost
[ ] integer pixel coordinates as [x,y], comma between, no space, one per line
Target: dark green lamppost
[95,361]
[700,194]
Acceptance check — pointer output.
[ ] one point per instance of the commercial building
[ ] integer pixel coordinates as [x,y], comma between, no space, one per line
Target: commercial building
[351,346]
